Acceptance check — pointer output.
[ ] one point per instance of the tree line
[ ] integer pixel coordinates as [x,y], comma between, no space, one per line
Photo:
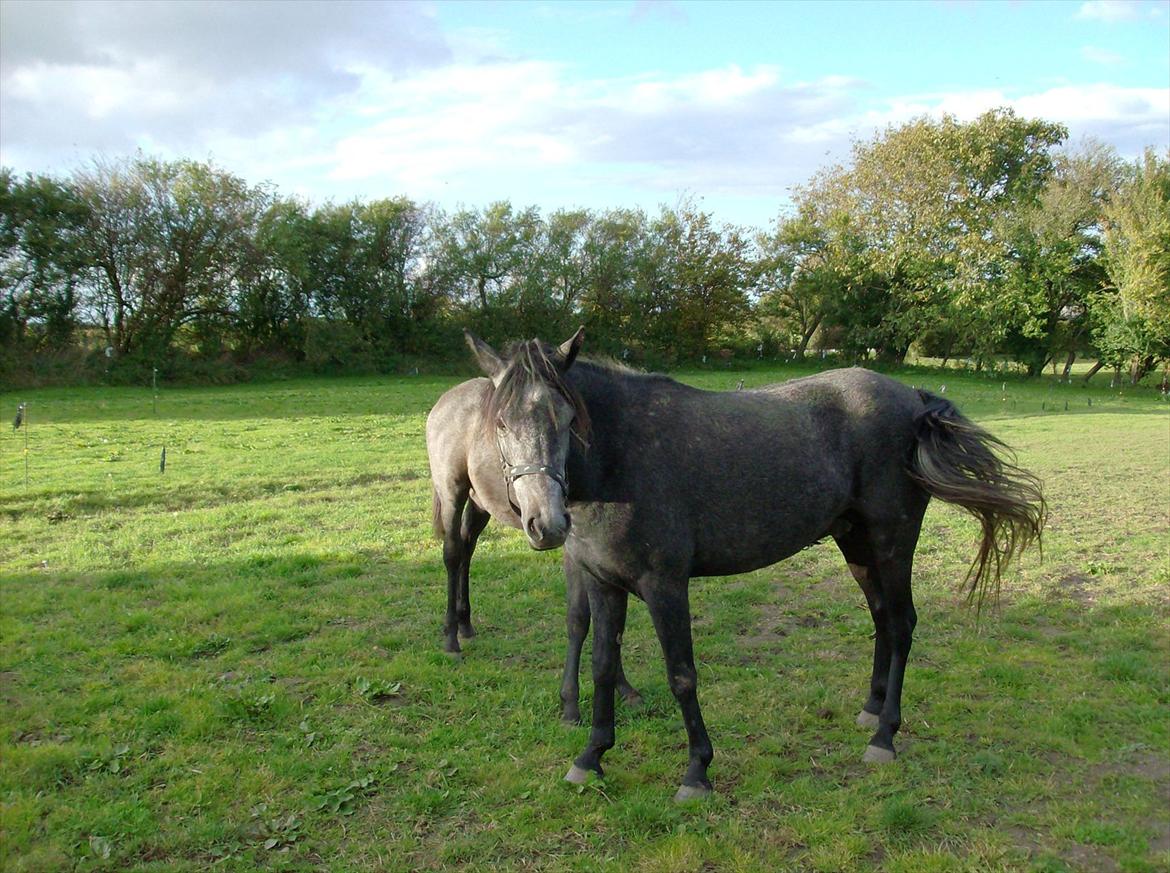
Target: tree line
[989,239]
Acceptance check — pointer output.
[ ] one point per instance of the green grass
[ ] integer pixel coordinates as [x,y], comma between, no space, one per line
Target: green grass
[236,664]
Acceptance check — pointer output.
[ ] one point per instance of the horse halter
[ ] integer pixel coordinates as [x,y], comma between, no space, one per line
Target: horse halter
[512,472]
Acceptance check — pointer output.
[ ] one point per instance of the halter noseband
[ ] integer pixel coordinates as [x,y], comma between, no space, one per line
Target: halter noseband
[512,472]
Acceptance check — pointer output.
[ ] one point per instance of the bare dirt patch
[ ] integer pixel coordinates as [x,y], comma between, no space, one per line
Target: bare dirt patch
[1075,586]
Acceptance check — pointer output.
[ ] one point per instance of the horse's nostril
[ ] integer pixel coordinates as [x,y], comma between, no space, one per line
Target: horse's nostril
[532,528]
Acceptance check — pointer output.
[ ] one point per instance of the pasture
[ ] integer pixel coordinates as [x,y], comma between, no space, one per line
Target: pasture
[237,663]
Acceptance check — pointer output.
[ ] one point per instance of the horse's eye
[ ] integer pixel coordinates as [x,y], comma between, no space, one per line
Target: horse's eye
[500,426]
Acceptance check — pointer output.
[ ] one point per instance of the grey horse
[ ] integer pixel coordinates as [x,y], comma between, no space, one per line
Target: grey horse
[471,486]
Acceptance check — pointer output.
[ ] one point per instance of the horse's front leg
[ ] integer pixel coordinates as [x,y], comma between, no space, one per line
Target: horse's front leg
[577,626]
[608,605]
[670,611]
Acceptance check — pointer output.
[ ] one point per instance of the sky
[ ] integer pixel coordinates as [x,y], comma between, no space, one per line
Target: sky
[557,104]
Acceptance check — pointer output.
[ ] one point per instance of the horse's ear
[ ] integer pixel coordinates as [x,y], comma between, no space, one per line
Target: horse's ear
[491,363]
[567,351]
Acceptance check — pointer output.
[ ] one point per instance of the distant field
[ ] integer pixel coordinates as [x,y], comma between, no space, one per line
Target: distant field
[236,663]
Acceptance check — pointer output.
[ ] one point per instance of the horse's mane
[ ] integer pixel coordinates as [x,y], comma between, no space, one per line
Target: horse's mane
[609,364]
[525,363]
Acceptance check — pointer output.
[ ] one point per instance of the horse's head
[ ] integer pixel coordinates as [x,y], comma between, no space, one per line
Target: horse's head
[531,413]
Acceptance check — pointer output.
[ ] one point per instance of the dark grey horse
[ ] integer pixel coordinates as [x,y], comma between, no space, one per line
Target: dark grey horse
[648,483]
[470,487]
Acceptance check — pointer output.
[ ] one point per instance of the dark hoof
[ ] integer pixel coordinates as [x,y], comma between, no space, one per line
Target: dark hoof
[691,792]
[577,775]
[632,698]
[466,631]
[454,654]
[867,719]
[571,719]
[878,755]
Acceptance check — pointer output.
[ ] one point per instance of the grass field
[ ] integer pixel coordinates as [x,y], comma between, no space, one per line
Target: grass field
[236,663]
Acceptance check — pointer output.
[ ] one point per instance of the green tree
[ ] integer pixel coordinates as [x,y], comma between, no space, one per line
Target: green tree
[1053,257]
[692,281]
[478,256]
[381,293]
[272,309]
[798,272]
[549,289]
[614,242]
[1132,314]
[170,245]
[41,262]
[924,200]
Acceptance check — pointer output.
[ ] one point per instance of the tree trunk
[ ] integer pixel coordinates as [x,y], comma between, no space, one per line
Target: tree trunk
[806,337]
[1067,374]
[1093,371]
[1037,364]
[1140,367]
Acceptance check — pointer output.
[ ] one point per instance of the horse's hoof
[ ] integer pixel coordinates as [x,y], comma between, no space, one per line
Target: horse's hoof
[577,775]
[878,755]
[571,719]
[691,792]
[867,719]
[454,654]
[633,699]
[466,631]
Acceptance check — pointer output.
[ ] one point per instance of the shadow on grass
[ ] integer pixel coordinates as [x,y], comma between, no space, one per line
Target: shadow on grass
[233,681]
[66,504]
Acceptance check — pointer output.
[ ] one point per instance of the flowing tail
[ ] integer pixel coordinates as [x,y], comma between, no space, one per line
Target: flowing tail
[957,461]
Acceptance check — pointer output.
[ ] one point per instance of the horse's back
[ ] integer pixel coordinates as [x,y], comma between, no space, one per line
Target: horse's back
[863,393]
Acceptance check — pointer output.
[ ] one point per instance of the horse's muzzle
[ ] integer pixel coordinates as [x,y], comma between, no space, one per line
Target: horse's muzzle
[544,535]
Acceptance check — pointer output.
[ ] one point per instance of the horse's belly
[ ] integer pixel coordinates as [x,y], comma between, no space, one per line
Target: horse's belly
[750,540]
[745,559]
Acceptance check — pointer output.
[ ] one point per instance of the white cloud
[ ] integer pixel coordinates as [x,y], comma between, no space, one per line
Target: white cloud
[113,75]
[1095,55]
[389,105]
[721,130]
[1110,10]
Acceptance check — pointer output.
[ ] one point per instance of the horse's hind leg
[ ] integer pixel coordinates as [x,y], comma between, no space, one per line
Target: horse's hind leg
[894,578]
[890,550]
[451,519]
[474,521]
[859,558]
[628,692]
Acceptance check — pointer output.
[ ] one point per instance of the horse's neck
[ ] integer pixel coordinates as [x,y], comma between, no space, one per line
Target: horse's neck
[601,389]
